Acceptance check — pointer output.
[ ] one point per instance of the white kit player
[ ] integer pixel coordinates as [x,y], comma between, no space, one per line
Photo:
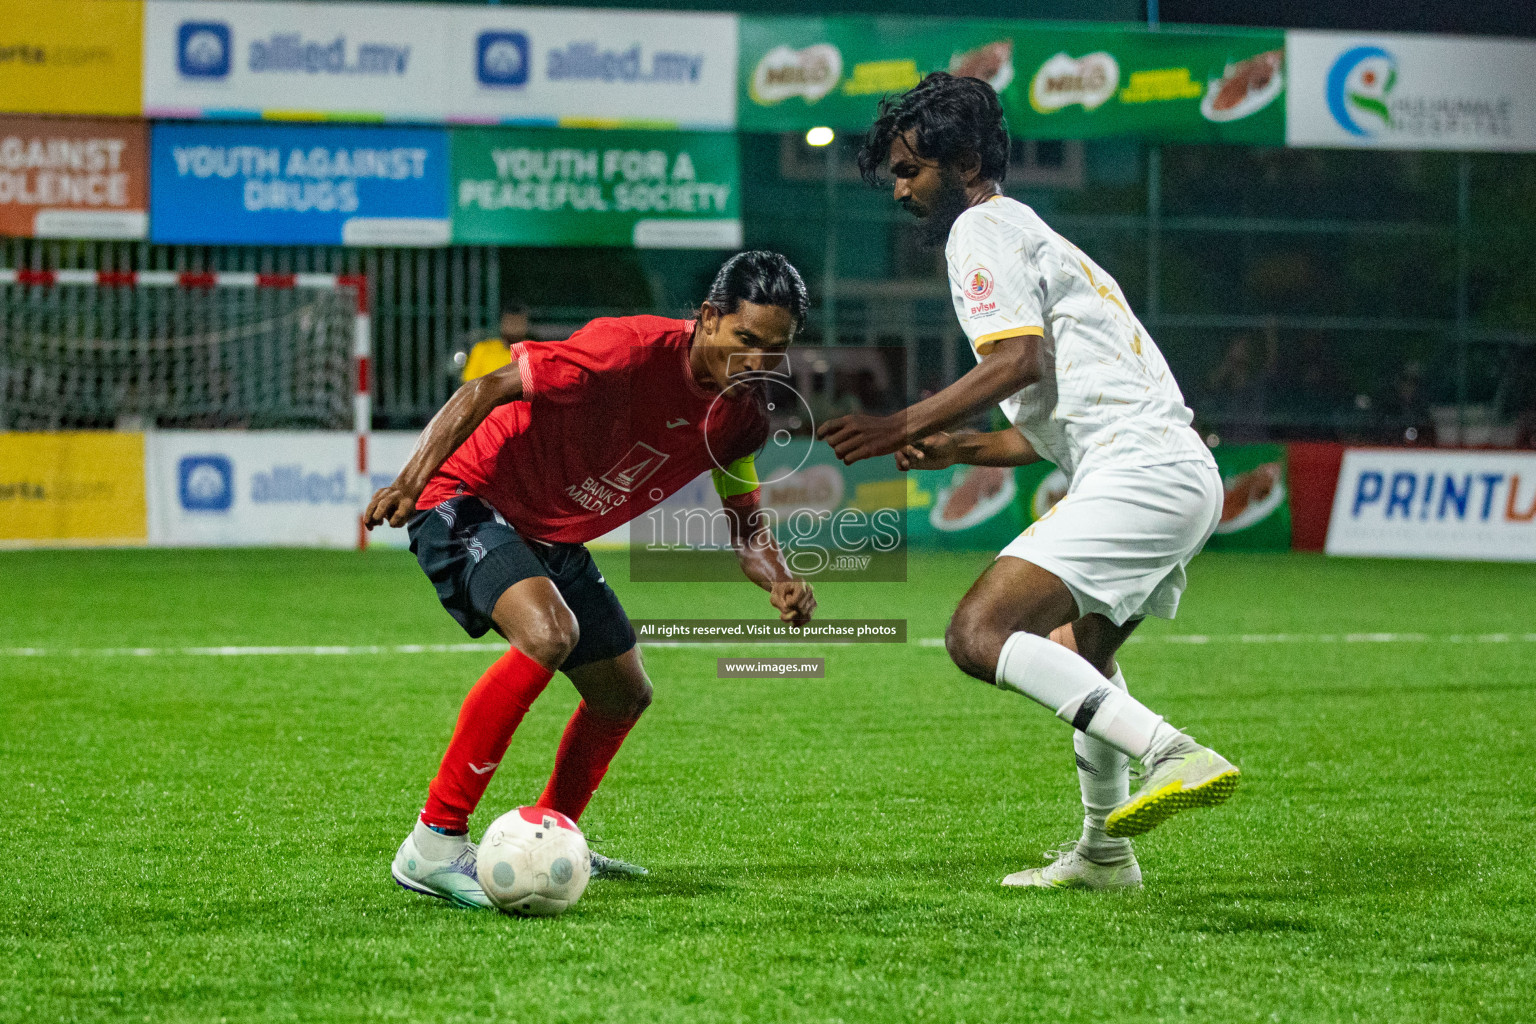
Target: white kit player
[1079,378]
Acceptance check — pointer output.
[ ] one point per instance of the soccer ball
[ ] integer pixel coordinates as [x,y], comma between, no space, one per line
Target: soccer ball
[534,862]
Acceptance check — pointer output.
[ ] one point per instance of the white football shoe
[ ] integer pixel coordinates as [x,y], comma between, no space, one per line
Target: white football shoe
[453,879]
[1070,868]
[612,867]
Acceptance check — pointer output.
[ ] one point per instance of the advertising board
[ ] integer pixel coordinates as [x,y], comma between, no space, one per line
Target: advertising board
[1414,503]
[73,178]
[529,186]
[1388,91]
[299,185]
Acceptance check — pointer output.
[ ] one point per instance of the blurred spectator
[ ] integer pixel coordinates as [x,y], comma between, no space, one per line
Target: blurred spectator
[1314,389]
[1241,386]
[1403,410]
[1519,389]
[493,353]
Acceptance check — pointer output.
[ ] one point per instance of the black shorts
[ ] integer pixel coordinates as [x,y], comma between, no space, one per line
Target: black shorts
[472,555]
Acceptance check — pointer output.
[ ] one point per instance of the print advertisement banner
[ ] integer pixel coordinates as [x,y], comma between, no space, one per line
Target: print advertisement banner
[1385,91]
[299,185]
[71,488]
[434,63]
[528,186]
[70,178]
[1055,81]
[71,57]
[1255,514]
[1407,503]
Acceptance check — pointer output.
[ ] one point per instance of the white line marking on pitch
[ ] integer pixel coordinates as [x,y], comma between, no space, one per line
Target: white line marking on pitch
[352,650]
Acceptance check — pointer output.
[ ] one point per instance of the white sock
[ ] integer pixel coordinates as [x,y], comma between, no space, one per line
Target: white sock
[433,845]
[1104,777]
[1064,682]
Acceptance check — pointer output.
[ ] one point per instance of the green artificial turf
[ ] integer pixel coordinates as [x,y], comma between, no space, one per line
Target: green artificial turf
[194,838]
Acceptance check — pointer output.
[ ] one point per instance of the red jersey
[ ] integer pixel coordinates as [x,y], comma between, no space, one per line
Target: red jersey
[611,422]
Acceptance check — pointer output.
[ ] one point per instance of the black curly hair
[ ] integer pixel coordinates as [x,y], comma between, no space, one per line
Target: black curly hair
[951,116]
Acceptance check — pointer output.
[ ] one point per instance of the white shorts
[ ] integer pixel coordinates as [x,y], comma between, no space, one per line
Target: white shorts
[1121,537]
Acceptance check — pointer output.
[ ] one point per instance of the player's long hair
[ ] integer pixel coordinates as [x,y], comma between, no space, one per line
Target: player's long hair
[951,117]
[765,279]
[762,278]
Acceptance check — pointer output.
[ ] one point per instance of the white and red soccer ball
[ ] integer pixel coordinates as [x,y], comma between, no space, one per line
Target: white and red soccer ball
[534,862]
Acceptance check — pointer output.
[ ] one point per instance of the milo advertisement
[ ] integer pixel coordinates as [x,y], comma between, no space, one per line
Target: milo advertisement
[1255,511]
[1055,81]
[561,186]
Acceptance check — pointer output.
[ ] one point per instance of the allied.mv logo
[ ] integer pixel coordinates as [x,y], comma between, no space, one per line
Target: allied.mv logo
[501,59]
[203,49]
[206,483]
[1359,84]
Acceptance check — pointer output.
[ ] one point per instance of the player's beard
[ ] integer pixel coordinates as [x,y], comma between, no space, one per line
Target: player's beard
[949,203]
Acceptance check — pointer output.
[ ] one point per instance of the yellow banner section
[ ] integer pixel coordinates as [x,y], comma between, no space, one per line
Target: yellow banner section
[71,56]
[72,488]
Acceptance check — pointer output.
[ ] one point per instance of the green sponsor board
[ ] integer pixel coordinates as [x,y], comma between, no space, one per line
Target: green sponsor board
[1256,511]
[538,186]
[964,508]
[1056,81]
[1256,515]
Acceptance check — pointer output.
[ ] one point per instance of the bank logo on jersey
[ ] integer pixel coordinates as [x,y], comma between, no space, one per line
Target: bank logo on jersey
[637,466]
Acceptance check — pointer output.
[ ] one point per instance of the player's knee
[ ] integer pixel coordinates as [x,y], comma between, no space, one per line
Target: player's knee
[640,700]
[973,645]
[548,636]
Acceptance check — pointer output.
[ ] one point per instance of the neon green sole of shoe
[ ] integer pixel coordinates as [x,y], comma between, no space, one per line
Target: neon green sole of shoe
[1150,810]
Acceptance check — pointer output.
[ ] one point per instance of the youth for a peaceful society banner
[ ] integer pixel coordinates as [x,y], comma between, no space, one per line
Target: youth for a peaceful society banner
[1412,503]
[1055,81]
[563,187]
[73,178]
[1383,91]
[297,185]
[438,62]
[70,56]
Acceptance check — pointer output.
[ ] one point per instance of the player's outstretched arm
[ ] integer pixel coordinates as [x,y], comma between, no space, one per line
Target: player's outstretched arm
[763,563]
[1006,447]
[1012,364]
[451,427]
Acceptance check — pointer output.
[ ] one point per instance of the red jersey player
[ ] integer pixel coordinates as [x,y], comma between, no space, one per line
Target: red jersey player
[524,465]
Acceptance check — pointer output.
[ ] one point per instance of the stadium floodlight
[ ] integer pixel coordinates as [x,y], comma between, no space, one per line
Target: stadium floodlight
[105,349]
[820,136]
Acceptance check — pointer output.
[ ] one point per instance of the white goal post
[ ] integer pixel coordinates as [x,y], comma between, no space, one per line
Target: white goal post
[82,349]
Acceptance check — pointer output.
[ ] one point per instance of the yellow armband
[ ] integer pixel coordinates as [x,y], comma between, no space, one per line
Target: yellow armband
[737,483]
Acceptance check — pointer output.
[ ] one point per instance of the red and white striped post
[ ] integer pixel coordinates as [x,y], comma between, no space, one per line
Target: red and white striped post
[362,327]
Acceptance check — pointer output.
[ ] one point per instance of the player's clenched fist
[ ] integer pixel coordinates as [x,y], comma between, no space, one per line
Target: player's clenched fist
[795,600]
[390,505]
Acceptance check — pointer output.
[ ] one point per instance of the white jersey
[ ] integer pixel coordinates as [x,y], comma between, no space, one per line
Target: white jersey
[1107,397]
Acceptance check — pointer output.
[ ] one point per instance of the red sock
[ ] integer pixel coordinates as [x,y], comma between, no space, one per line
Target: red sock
[491,713]
[586,749]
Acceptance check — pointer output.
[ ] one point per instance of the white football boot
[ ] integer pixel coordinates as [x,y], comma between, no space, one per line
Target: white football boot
[1070,868]
[1183,778]
[612,867]
[452,879]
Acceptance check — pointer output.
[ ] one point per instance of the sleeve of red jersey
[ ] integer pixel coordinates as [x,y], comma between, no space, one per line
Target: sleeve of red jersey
[570,371]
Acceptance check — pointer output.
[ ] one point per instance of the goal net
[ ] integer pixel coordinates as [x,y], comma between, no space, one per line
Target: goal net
[103,350]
